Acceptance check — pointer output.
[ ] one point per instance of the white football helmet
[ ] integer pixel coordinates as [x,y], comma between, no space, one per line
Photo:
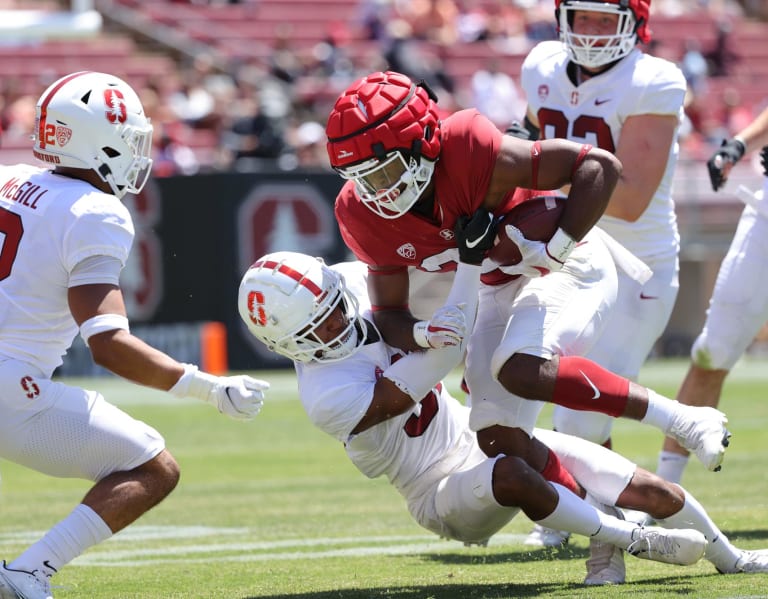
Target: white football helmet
[95,121]
[285,297]
[594,51]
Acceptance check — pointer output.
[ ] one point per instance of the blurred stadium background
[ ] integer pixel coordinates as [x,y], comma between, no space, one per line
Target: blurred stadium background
[239,93]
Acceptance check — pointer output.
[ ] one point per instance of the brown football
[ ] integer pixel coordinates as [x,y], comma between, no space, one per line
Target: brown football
[536,218]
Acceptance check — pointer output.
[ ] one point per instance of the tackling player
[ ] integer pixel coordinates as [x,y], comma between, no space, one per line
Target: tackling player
[396,419]
[738,307]
[65,239]
[596,86]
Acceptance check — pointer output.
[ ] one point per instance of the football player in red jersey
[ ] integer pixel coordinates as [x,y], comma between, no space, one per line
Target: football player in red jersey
[410,175]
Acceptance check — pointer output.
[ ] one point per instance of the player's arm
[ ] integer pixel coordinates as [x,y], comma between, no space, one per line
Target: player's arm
[643,151]
[99,311]
[753,136]
[550,164]
[388,289]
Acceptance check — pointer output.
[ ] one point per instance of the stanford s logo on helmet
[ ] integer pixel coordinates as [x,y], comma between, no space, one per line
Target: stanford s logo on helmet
[593,51]
[95,121]
[384,134]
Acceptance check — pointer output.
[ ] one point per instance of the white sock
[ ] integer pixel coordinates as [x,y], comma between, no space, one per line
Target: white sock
[670,466]
[719,550]
[69,538]
[578,516]
[661,411]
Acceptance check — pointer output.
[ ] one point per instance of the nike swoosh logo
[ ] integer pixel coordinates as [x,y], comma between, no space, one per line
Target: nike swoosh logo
[598,102]
[591,384]
[643,296]
[471,244]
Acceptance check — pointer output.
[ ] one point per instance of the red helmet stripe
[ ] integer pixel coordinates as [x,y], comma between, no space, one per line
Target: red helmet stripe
[292,273]
[47,100]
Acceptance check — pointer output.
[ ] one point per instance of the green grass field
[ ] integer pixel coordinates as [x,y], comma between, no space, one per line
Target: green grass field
[272,508]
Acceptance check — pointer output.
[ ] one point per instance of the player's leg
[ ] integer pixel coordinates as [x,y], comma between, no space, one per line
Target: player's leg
[737,310]
[632,327]
[76,433]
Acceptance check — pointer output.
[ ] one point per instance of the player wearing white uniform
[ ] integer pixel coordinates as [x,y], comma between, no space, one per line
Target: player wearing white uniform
[65,238]
[738,307]
[595,86]
[394,418]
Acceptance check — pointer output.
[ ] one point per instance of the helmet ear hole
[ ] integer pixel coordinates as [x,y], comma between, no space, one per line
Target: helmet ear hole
[111,152]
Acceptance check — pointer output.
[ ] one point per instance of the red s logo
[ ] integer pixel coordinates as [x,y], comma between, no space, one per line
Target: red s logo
[256,311]
[30,387]
[116,109]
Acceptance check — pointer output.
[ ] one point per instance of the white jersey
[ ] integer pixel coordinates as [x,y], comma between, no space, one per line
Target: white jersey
[48,224]
[595,111]
[413,450]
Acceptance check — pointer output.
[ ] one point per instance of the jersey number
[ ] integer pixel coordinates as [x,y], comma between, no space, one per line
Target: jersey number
[592,129]
[11,231]
[416,425]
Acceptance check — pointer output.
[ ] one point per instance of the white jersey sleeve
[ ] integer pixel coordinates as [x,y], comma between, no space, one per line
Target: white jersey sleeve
[595,111]
[49,223]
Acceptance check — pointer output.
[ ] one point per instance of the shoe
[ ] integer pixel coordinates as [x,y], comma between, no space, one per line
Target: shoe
[701,430]
[606,562]
[638,517]
[541,536]
[19,584]
[668,545]
[750,562]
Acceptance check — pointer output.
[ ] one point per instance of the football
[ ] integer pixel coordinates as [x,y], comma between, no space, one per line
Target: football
[536,218]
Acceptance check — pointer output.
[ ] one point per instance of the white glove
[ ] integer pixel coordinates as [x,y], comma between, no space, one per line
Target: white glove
[239,397]
[539,258]
[446,328]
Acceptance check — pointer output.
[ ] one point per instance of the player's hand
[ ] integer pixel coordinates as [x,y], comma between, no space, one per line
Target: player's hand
[516,129]
[446,328]
[475,235]
[764,160]
[722,161]
[240,397]
[536,260]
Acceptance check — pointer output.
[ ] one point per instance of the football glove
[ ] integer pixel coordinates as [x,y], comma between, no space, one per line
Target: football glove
[446,328]
[537,257]
[719,165]
[764,160]
[475,235]
[240,397]
[517,129]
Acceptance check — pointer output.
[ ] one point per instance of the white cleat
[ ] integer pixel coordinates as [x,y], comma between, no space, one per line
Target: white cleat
[668,545]
[606,562]
[749,562]
[701,430]
[19,584]
[541,536]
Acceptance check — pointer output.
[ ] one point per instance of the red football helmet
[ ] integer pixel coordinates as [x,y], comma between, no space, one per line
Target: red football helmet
[384,134]
[597,50]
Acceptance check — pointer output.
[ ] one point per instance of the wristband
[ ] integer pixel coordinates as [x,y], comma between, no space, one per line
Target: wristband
[194,383]
[560,246]
[420,334]
[742,145]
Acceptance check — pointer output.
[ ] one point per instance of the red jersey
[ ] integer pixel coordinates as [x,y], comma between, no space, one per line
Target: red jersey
[470,144]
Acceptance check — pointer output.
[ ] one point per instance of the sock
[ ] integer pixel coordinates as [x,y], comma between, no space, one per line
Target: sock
[661,411]
[719,550]
[69,538]
[670,466]
[555,472]
[578,516]
[583,385]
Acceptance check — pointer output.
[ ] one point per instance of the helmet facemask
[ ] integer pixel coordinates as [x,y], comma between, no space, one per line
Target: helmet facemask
[390,187]
[593,51]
